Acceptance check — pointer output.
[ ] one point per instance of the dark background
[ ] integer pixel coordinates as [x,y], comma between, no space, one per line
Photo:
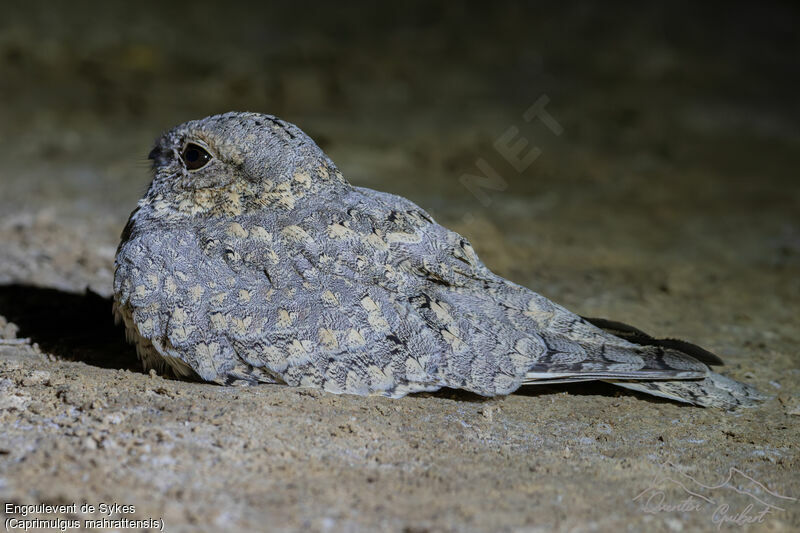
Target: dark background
[680,121]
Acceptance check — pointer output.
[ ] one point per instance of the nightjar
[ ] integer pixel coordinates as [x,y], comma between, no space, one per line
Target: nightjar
[251,259]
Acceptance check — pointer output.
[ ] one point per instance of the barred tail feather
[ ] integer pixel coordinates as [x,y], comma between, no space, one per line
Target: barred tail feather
[715,390]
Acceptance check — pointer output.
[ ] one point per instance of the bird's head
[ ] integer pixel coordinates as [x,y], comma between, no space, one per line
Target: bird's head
[226,164]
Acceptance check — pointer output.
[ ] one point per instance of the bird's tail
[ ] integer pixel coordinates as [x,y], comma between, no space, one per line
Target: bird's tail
[715,390]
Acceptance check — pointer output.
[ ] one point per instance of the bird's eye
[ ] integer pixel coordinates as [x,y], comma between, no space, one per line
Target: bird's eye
[195,156]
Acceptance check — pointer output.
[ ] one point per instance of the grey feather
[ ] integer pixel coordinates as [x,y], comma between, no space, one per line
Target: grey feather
[266,265]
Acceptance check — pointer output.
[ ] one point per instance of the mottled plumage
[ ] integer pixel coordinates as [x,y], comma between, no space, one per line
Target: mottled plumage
[263,264]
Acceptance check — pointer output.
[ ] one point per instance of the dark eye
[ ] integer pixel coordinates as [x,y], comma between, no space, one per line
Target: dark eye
[195,156]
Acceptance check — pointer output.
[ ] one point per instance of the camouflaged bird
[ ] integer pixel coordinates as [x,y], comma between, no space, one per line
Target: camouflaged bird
[251,259]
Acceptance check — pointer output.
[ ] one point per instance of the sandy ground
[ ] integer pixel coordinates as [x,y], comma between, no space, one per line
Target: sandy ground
[669,200]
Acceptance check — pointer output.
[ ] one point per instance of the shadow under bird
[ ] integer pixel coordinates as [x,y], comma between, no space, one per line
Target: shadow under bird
[251,259]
